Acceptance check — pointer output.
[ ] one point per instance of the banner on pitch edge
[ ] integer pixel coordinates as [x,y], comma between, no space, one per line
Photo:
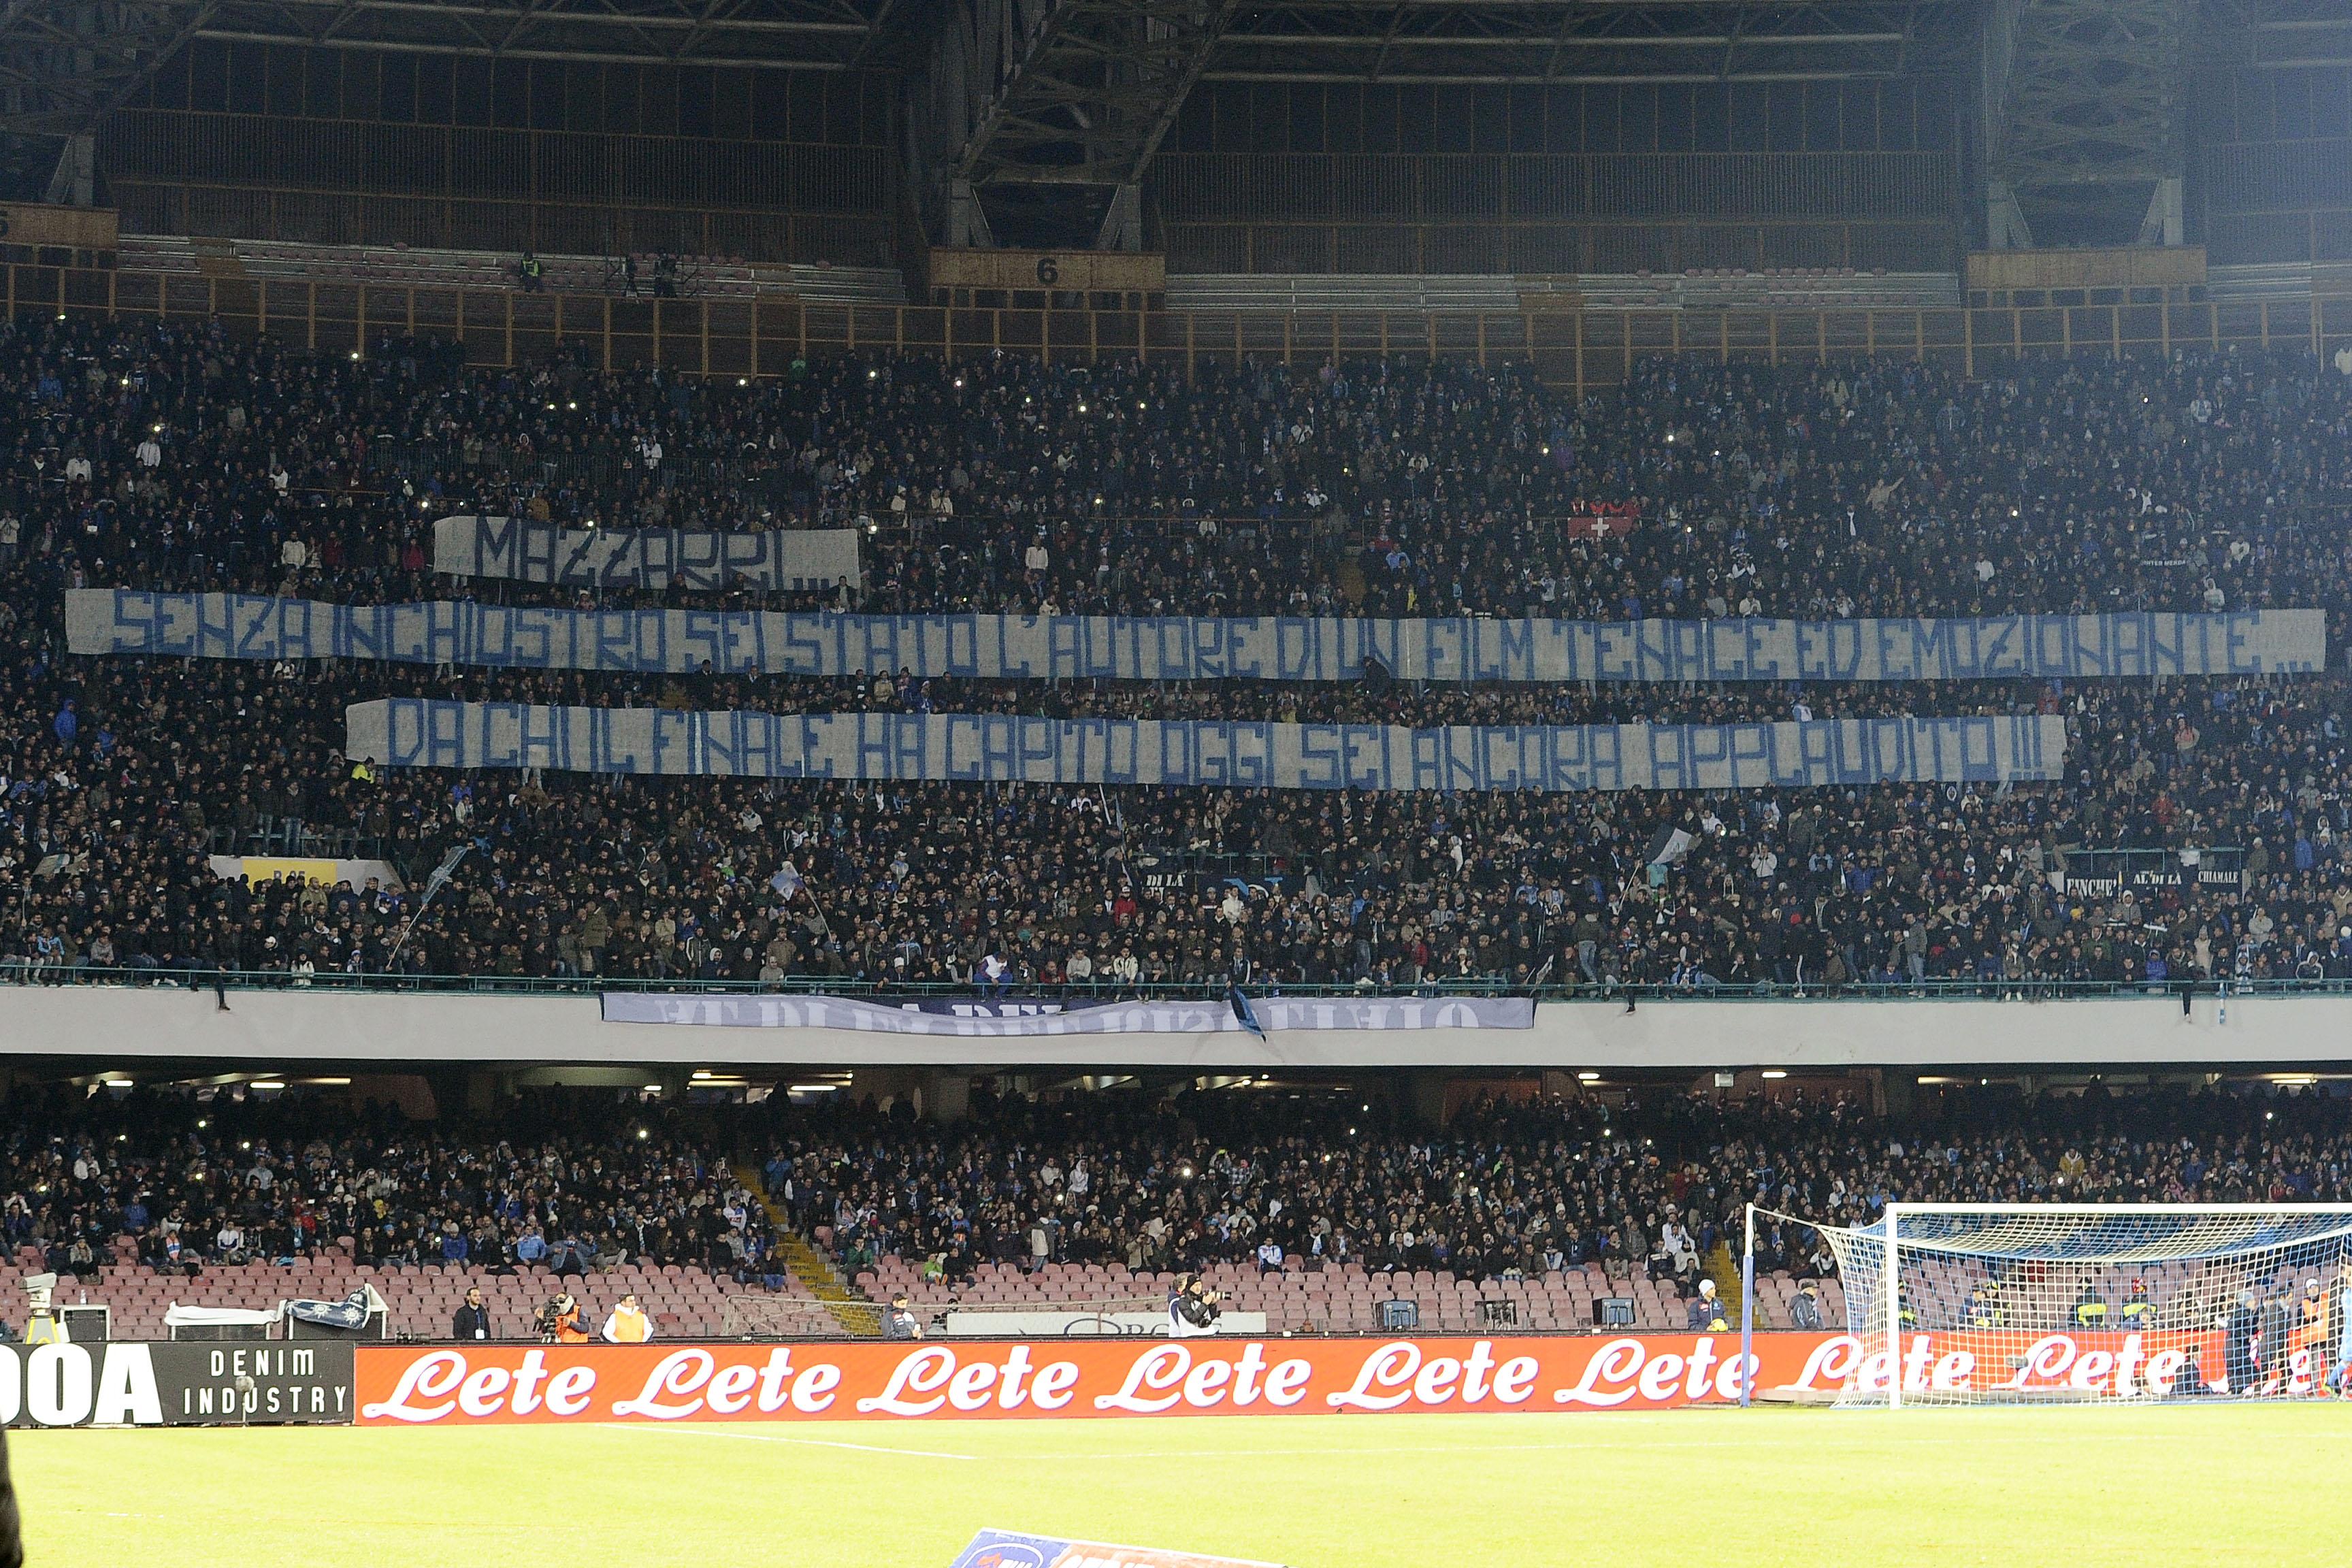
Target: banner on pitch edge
[1194,648]
[979,1019]
[522,550]
[195,1383]
[1144,1380]
[414,732]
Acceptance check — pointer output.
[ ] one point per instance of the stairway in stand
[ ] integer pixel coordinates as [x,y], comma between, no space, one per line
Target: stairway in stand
[1723,1268]
[855,1314]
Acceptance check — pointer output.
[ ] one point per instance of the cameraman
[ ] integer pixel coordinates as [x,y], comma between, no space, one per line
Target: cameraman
[559,1322]
[1192,1308]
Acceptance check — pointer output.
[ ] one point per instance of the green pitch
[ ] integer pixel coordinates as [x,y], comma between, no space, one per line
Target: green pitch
[2070,1486]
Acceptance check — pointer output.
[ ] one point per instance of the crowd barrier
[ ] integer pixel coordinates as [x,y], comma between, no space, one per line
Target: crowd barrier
[477,1385]
[1194,648]
[414,732]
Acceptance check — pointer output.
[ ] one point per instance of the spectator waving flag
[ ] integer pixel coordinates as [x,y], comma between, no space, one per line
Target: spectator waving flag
[1244,1013]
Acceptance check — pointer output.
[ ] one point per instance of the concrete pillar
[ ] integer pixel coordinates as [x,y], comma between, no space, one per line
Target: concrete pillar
[2005,225]
[967,222]
[486,1090]
[2163,225]
[1898,1090]
[74,181]
[1428,1103]
[945,1097]
[1122,223]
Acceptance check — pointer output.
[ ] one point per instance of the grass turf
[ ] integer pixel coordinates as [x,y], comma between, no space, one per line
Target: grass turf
[2079,1487]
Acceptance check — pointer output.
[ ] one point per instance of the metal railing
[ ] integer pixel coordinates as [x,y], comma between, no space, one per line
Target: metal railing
[21,970]
[1576,348]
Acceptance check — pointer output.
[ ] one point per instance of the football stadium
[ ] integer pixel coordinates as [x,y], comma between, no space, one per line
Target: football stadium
[1175,783]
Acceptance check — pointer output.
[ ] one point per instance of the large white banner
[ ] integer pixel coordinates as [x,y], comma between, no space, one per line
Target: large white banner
[1268,647]
[413,732]
[528,551]
[987,1021]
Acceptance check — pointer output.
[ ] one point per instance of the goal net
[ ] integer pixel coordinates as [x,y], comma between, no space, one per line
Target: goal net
[1975,1304]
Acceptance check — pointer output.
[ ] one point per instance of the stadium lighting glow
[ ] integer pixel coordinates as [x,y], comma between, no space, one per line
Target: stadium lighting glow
[644,1133]
[265,1083]
[813,1088]
[702,1072]
[1587,1077]
[1775,1072]
[330,1082]
[356,353]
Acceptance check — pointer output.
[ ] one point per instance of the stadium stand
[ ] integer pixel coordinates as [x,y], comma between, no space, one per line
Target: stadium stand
[892,876]
[1085,1201]
[154,457]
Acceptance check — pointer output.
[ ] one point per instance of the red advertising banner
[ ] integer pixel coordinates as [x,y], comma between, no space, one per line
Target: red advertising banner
[473,1384]
[1126,1379]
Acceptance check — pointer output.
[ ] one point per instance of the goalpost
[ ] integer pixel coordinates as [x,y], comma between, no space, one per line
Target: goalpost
[2025,1304]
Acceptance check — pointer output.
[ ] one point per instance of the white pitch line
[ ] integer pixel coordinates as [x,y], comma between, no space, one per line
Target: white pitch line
[1462,1450]
[802,1442]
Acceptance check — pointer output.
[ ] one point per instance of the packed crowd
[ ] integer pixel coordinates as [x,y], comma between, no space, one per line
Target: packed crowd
[575,1182]
[562,1181]
[1650,1183]
[168,456]
[121,775]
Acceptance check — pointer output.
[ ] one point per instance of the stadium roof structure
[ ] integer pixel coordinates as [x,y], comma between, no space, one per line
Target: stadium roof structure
[1056,108]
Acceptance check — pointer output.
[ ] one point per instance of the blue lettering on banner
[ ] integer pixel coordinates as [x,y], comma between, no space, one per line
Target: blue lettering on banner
[1287,649]
[423,733]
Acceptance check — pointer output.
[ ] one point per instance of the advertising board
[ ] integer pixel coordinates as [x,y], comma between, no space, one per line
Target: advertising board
[251,1382]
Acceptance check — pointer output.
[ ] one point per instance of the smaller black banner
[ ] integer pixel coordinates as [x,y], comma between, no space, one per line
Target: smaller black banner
[256,1383]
